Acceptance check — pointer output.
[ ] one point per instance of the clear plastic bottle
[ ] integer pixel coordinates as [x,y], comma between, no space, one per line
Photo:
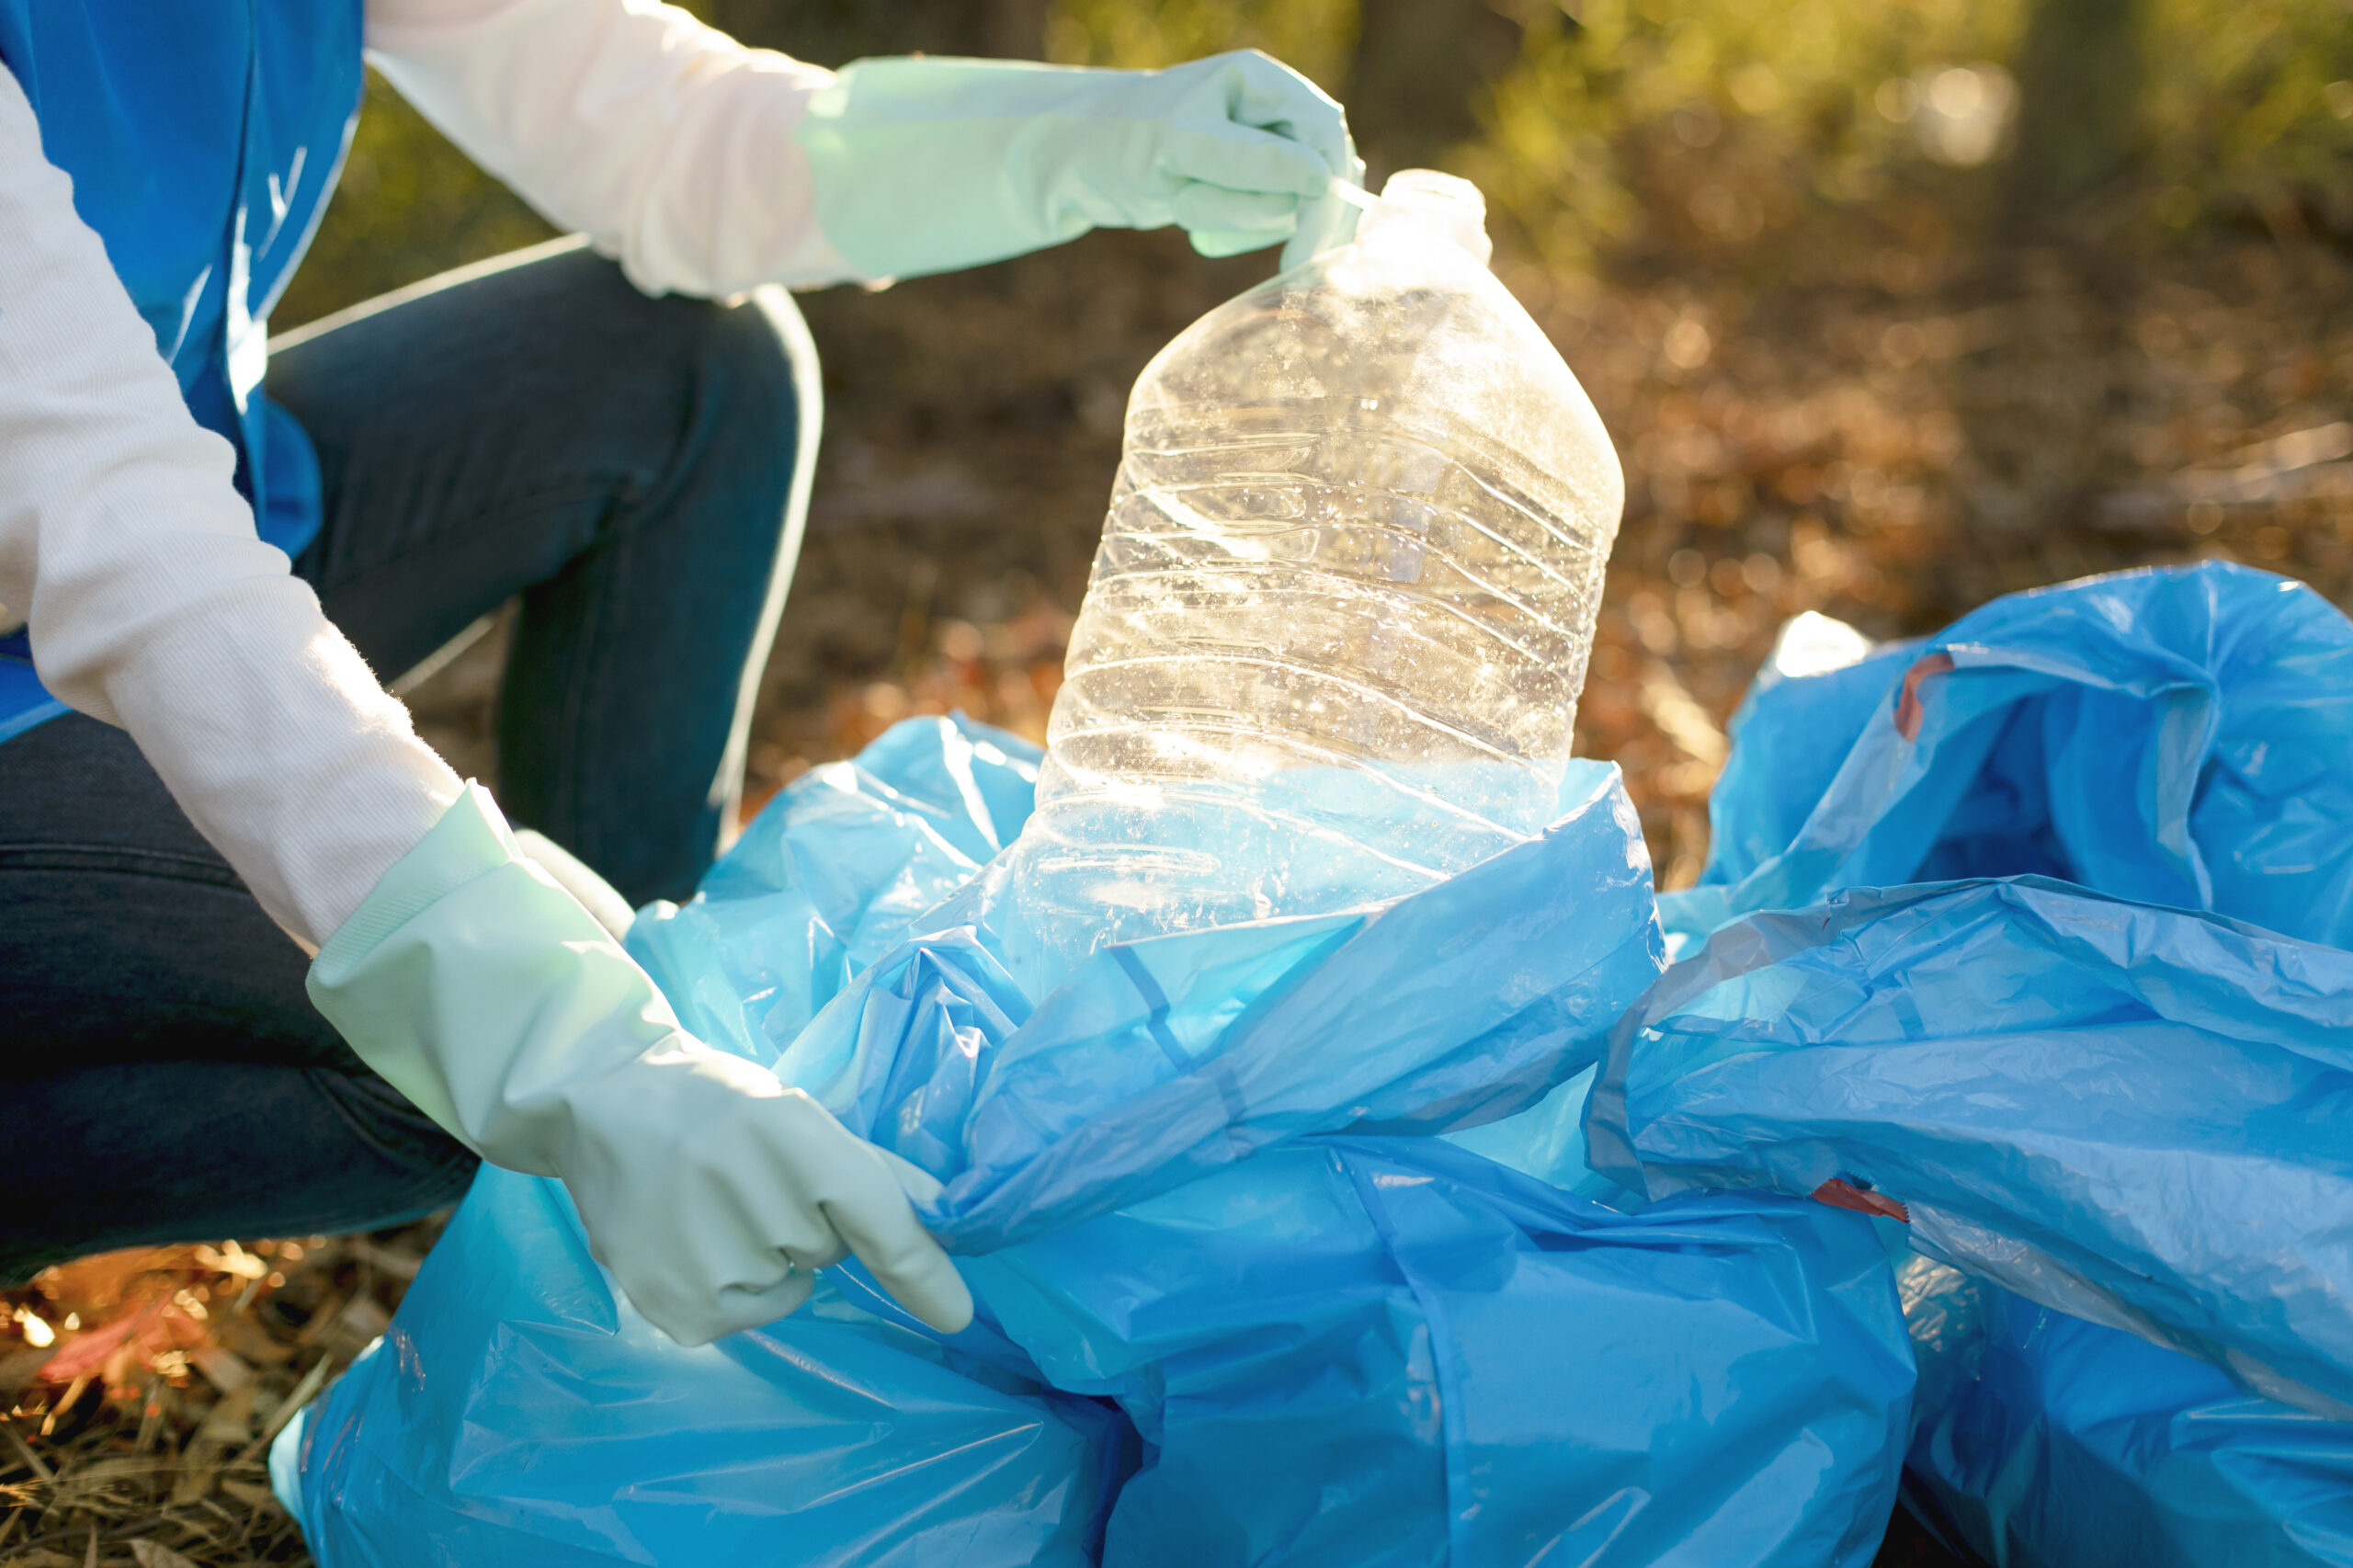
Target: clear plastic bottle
[1333,644]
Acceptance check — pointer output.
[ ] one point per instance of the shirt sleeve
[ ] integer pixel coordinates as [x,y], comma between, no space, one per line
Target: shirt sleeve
[149,600]
[667,143]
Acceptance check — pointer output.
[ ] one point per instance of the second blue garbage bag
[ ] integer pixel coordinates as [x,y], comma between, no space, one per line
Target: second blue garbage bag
[1239,1303]
[2045,1441]
[2131,1114]
[2100,1092]
[2032,935]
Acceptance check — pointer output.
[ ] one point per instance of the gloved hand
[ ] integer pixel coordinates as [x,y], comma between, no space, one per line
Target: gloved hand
[487,995]
[926,165]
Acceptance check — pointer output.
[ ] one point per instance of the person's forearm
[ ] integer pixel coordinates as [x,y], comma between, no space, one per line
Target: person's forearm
[668,143]
[151,602]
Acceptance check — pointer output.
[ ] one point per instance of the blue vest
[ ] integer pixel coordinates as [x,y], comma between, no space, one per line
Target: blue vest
[202,137]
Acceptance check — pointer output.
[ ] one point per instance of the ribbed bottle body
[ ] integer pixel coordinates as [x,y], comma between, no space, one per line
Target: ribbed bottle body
[1333,644]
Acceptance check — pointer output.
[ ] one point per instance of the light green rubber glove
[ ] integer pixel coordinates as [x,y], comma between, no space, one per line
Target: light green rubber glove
[482,991]
[926,165]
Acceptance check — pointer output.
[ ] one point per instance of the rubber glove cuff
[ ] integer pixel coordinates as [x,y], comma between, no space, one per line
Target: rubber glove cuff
[503,942]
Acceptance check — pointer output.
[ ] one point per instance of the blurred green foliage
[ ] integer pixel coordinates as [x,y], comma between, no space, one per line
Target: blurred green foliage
[1742,134]
[1665,126]
[2250,106]
[1655,126]
[1316,37]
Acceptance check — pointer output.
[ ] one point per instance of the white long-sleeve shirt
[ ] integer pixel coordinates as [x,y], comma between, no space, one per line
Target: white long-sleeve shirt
[149,600]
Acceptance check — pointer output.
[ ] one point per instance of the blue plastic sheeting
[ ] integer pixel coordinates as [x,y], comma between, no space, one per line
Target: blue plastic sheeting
[2181,737]
[830,878]
[1159,1060]
[519,1412]
[2133,1114]
[2106,1096]
[2043,1441]
[1358,1343]
[1389,1350]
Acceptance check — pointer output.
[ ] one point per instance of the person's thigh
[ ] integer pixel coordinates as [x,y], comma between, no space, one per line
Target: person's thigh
[628,465]
[150,1152]
[162,1055]
[124,937]
[474,435]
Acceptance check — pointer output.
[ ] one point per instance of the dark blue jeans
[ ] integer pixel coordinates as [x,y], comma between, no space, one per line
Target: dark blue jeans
[624,464]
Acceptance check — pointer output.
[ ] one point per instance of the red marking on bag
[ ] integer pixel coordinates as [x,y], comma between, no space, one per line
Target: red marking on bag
[1908,712]
[1840,1193]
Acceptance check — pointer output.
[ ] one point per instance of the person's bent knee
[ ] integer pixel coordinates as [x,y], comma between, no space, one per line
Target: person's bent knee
[755,357]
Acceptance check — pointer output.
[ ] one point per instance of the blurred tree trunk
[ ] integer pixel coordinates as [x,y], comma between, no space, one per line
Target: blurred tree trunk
[2080,71]
[1422,71]
[834,32]
[1017,28]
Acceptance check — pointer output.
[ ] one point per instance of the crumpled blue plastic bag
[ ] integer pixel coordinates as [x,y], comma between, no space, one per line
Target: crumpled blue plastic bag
[1389,1350]
[2180,736]
[1234,1303]
[1161,1060]
[821,884]
[2044,1441]
[519,1412]
[2116,1109]
[2104,1096]
[2136,1114]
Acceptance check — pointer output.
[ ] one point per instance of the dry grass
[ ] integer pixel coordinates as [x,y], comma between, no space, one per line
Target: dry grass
[143,1388]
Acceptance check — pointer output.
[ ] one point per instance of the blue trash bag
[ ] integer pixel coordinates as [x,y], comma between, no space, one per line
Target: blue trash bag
[1162,1060]
[2133,1114]
[2180,736]
[2114,1099]
[519,1412]
[2043,1441]
[1389,1350]
[1235,1302]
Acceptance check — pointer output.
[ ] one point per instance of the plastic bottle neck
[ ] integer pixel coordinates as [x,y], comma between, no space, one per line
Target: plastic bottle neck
[1429,205]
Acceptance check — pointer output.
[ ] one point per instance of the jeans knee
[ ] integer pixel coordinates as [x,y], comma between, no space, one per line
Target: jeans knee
[758,382]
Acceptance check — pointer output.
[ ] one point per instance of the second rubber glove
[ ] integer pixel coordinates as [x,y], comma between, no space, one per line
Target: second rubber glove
[486,994]
[924,165]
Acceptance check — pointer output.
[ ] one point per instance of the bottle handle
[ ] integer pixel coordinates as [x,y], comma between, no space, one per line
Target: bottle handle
[1327,222]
